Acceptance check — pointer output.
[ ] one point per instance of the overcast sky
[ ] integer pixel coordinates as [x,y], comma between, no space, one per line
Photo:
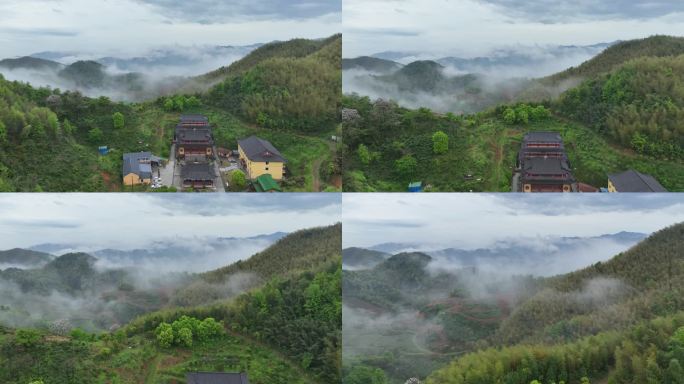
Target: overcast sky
[469,28]
[469,221]
[130,27]
[129,221]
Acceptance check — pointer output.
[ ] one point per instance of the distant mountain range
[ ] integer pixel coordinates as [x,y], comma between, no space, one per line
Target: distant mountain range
[177,255]
[518,56]
[459,84]
[536,256]
[158,72]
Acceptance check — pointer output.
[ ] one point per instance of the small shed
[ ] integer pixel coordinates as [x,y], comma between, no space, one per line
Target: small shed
[415,186]
[104,150]
[265,183]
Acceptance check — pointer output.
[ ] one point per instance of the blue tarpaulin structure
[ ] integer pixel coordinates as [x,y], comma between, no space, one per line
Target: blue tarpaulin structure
[103,150]
[415,187]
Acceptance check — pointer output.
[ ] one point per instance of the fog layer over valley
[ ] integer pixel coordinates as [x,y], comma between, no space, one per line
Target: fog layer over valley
[464,85]
[538,256]
[161,71]
[107,288]
[412,307]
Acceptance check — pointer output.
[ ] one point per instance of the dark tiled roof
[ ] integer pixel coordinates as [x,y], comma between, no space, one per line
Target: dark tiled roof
[216,378]
[547,169]
[633,181]
[198,171]
[194,134]
[543,136]
[194,119]
[551,165]
[138,163]
[258,149]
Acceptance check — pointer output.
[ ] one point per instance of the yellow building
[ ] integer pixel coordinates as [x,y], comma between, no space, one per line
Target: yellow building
[137,168]
[260,157]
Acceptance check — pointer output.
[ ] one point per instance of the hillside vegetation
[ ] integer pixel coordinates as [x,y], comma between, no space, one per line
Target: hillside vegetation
[388,146]
[287,328]
[620,110]
[619,320]
[49,138]
[294,92]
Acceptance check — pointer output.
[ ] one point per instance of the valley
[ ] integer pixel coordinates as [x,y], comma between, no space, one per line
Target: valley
[407,316]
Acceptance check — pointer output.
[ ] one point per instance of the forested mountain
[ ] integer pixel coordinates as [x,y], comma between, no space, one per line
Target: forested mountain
[620,53]
[23,258]
[297,91]
[285,328]
[306,250]
[49,138]
[28,62]
[371,64]
[620,319]
[360,257]
[517,330]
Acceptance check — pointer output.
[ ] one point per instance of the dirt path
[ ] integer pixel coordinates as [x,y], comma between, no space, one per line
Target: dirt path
[316,175]
[151,368]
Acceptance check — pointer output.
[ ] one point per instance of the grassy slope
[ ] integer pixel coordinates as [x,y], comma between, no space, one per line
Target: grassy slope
[488,152]
[142,361]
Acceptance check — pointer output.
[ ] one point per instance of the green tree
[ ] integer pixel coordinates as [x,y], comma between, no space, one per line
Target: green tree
[639,142]
[118,119]
[95,136]
[509,116]
[164,334]
[440,143]
[185,337]
[406,165]
[69,128]
[364,154]
[363,374]
[238,180]
[674,373]
[27,337]
[192,102]
[3,133]
[169,105]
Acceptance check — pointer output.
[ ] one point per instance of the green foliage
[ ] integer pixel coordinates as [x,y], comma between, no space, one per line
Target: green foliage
[169,105]
[27,337]
[362,374]
[95,136]
[364,154]
[300,94]
[440,143]
[184,337]
[406,166]
[482,150]
[308,250]
[638,105]
[509,116]
[164,334]
[118,120]
[3,133]
[238,180]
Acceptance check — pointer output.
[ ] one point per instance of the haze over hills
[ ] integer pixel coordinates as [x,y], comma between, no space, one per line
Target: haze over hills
[284,341]
[243,99]
[531,328]
[620,110]
[159,72]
